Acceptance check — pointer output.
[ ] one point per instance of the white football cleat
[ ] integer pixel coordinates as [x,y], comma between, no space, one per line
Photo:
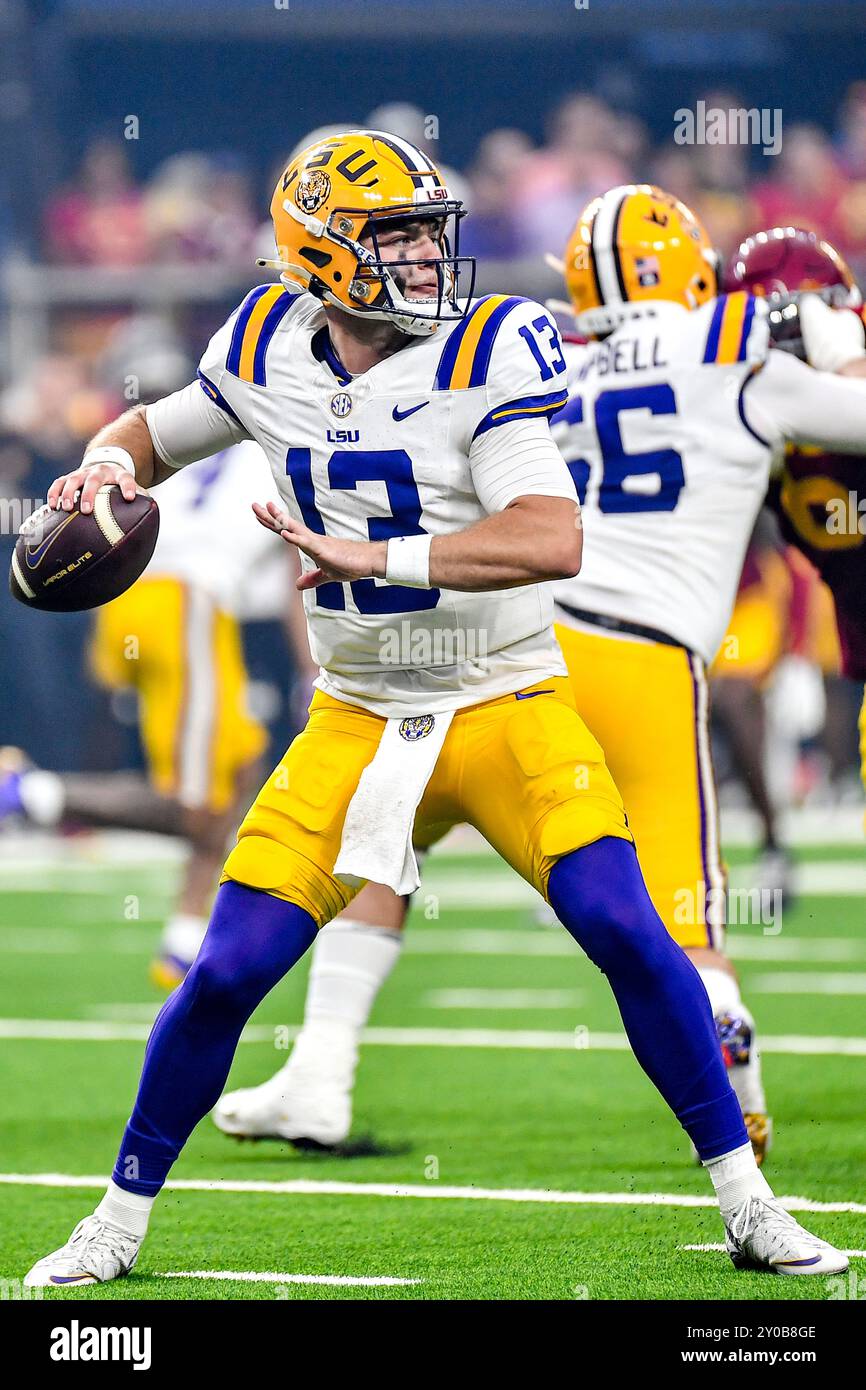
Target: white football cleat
[763,1235]
[309,1100]
[93,1254]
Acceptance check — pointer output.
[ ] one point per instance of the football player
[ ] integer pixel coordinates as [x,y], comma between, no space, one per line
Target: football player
[406,427]
[817,493]
[174,640]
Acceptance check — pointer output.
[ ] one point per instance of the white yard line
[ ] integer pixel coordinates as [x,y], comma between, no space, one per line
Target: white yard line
[715,1245]
[808,982]
[306,1187]
[579,1040]
[375,1281]
[503,998]
[555,941]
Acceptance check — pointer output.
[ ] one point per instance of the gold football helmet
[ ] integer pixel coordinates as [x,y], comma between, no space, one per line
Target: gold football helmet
[636,243]
[346,188]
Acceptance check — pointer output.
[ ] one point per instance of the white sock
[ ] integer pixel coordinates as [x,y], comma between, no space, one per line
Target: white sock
[183,936]
[736,1176]
[351,962]
[42,797]
[128,1211]
[723,989]
[725,998]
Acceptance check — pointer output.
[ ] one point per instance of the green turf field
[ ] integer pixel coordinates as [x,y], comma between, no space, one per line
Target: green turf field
[538,1115]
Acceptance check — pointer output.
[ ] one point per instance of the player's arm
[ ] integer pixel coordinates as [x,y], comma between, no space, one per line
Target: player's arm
[532,533]
[787,401]
[148,444]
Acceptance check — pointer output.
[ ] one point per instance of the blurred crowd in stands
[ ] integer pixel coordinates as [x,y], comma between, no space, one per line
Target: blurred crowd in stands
[523,199]
[210,210]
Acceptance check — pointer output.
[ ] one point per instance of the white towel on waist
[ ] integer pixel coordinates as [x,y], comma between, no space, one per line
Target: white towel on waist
[377,834]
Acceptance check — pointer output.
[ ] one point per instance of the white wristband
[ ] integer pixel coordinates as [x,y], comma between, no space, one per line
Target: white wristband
[407,561]
[109,453]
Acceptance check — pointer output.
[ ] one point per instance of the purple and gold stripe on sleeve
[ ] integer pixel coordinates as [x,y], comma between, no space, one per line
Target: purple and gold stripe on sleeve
[466,356]
[217,396]
[528,407]
[729,328]
[258,317]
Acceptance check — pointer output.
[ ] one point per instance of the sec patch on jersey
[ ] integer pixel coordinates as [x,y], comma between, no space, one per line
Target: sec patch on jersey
[68,561]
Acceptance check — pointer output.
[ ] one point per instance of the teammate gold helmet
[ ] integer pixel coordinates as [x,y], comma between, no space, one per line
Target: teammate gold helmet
[636,243]
[347,188]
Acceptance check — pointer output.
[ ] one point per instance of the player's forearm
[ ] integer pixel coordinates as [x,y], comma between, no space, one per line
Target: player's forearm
[130,432]
[532,540]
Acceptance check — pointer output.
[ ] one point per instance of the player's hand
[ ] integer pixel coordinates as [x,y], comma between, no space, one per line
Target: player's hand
[335,559]
[832,338]
[88,481]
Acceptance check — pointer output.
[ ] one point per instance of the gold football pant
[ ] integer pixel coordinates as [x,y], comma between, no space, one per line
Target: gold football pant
[523,769]
[647,704]
[182,654]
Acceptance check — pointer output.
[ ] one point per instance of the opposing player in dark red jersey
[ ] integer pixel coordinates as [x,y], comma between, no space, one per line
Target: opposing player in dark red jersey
[819,498]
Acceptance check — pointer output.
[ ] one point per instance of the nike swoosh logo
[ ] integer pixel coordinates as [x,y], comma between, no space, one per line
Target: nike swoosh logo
[531,694]
[34,555]
[398,414]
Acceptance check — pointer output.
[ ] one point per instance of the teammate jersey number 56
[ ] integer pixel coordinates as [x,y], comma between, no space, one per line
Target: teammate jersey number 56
[618,466]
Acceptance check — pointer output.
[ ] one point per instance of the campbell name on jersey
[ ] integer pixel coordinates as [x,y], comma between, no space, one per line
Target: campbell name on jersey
[669,472]
[390,453]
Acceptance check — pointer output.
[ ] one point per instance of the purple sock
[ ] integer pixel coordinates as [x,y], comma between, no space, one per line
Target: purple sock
[251,942]
[599,894]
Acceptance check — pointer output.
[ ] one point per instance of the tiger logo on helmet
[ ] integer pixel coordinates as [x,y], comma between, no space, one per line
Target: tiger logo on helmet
[331,204]
[634,244]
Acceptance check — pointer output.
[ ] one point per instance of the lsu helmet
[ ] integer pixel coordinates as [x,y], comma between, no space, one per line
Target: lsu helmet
[782,263]
[633,244]
[348,187]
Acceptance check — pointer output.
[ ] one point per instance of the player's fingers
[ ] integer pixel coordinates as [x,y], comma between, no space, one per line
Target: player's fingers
[311,579]
[263,517]
[93,480]
[55,490]
[71,484]
[128,486]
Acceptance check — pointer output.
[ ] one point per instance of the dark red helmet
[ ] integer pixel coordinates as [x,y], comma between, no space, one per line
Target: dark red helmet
[781,264]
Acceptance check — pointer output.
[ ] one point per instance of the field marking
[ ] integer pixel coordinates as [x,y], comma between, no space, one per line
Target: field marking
[522,1039]
[710,1246]
[341,1281]
[555,941]
[489,885]
[503,998]
[827,982]
[308,1187]
[139,938]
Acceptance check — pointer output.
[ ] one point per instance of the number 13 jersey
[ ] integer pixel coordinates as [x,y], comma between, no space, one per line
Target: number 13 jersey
[437,436]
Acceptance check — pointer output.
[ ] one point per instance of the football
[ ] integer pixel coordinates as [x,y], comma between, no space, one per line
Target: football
[67,561]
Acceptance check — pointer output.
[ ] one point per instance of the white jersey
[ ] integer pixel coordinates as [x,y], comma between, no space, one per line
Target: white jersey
[672,426]
[416,444]
[209,536]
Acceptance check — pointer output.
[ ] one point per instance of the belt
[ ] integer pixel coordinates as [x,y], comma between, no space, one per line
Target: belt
[652,634]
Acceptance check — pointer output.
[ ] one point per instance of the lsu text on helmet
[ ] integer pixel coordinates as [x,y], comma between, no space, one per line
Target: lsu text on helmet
[346,189]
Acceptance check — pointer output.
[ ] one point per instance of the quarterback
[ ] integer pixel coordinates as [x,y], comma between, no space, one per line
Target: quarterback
[406,428]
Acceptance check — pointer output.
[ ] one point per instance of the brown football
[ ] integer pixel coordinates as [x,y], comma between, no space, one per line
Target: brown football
[66,561]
